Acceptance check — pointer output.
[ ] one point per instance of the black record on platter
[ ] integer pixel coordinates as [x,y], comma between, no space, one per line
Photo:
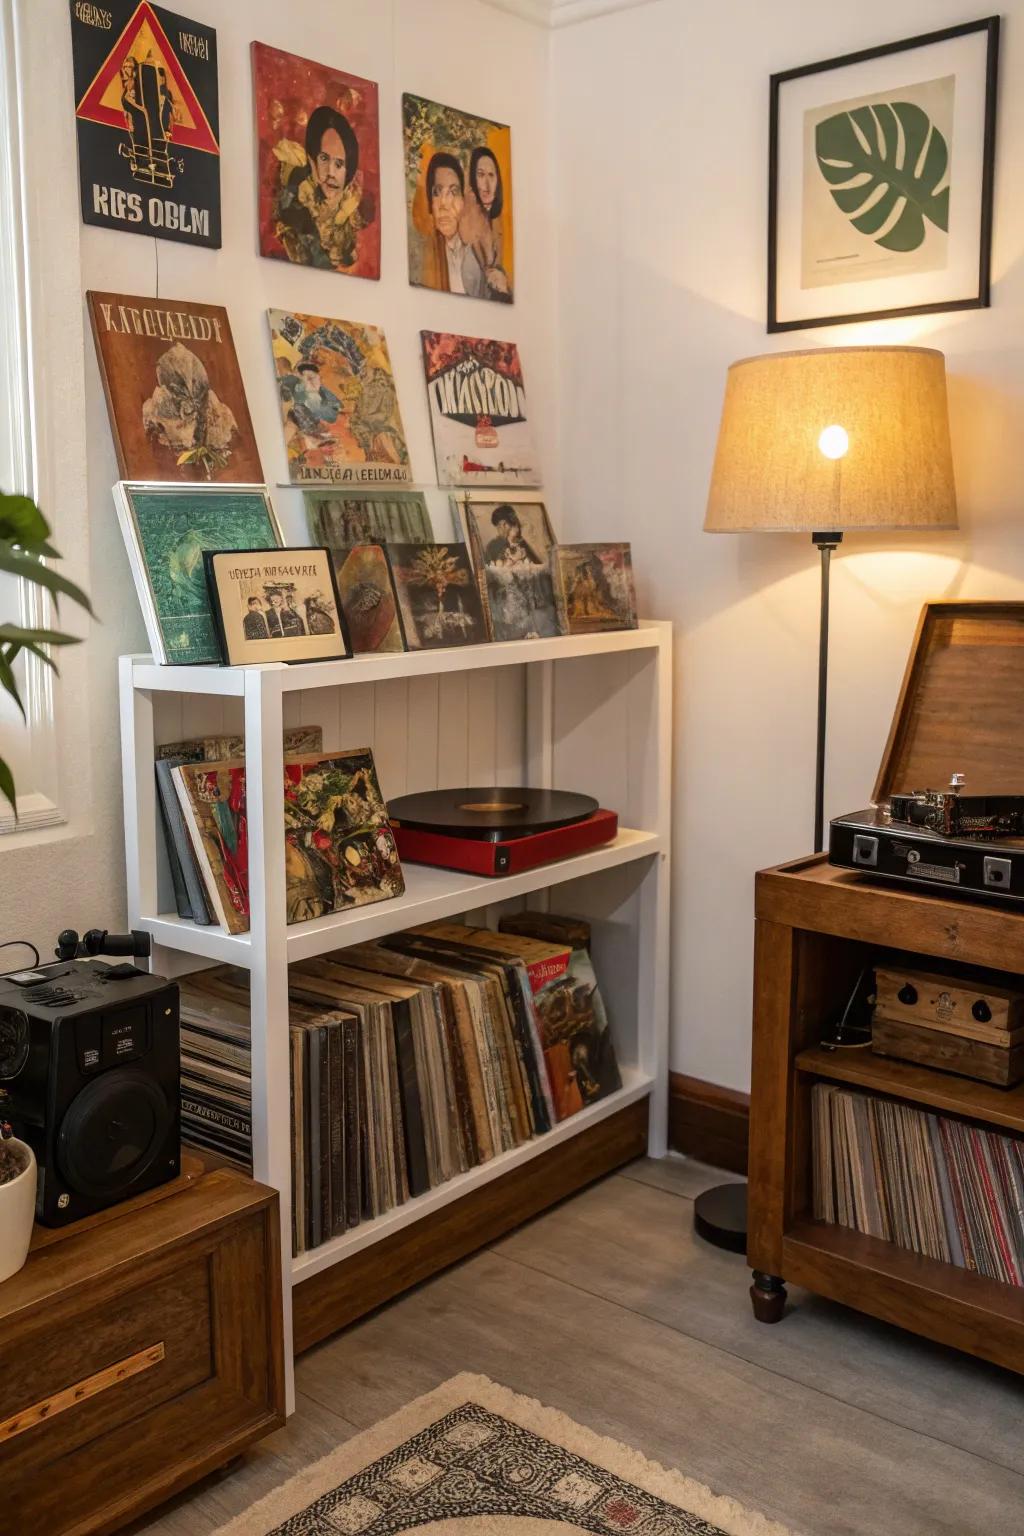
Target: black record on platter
[490,814]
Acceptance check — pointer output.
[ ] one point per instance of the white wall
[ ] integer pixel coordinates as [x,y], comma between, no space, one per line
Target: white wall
[660,128]
[457,51]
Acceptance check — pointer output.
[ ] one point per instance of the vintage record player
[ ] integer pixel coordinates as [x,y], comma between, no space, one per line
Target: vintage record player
[948,804]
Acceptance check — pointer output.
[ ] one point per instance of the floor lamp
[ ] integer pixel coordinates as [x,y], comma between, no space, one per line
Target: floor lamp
[821,442]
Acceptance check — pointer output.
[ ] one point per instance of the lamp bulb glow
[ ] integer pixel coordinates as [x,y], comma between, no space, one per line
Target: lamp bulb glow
[833,442]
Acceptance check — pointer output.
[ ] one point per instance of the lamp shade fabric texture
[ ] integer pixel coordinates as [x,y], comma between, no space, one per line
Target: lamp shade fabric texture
[772,474]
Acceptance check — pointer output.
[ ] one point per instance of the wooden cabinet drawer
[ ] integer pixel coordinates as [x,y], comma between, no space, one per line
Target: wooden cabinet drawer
[139,1356]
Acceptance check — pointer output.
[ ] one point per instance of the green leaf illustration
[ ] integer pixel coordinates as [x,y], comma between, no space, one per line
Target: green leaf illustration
[883,165]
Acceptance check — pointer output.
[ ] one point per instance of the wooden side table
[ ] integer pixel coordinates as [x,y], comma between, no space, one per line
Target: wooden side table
[141,1349]
[816,927]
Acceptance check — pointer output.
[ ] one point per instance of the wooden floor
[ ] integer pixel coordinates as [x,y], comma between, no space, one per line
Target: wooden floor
[610,1309]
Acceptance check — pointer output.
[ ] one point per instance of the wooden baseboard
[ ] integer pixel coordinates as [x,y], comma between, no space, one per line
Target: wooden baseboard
[708,1122]
[337,1296]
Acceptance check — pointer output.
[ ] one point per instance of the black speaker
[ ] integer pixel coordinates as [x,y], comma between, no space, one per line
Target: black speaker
[89,1077]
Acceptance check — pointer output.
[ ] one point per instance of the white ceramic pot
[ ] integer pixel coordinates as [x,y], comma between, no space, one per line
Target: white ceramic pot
[17,1213]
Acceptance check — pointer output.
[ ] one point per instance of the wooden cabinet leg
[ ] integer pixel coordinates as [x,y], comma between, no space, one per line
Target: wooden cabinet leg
[768,1297]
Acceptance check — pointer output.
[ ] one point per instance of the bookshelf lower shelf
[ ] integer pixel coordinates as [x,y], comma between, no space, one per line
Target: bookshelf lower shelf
[970,1311]
[430,894]
[635,1086]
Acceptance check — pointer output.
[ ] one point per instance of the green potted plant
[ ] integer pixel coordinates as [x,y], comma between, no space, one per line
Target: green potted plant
[17,1201]
[24,546]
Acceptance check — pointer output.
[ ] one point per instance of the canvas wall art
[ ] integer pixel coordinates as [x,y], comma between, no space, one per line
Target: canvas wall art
[318,143]
[339,404]
[511,542]
[594,587]
[370,517]
[174,390]
[438,597]
[368,600]
[276,605]
[458,187]
[881,176]
[478,411]
[167,529]
[148,120]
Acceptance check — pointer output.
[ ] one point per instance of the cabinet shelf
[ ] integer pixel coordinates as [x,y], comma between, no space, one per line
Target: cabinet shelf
[919,1085]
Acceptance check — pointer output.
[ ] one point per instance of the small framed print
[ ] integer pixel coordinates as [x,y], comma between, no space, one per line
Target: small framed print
[276,605]
[880,178]
[594,587]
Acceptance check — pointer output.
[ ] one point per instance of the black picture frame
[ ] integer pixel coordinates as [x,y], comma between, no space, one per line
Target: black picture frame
[980,300]
[210,561]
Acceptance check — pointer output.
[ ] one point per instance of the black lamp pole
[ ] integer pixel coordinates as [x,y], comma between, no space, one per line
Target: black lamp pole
[825,543]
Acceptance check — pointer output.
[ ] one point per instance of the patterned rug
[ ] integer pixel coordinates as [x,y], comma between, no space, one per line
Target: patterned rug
[473,1459]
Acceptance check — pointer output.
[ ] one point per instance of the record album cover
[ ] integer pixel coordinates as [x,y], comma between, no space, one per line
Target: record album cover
[511,542]
[341,520]
[339,404]
[319,163]
[438,598]
[594,587]
[148,121]
[276,605]
[167,529]
[478,411]
[458,189]
[174,390]
[367,594]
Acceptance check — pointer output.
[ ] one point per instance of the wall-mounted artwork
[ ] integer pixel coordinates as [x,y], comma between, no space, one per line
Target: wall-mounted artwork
[881,169]
[458,188]
[339,405]
[478,411]
[148,120]
[319,163]
[511,543]
[174,390]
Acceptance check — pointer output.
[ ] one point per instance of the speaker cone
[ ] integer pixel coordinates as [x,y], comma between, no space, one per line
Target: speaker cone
[13,1042]
[112,1133]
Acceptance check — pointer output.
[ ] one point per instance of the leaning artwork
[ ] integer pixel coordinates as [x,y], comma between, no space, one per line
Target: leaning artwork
[437,595]
[478,411]
[368,517]
[174,390]
[511,541]
[339,405]
[319,164]
[147,111]
[594,587]
[458,187]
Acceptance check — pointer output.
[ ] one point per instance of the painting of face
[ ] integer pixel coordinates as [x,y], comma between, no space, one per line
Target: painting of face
[446,201]
[329,166]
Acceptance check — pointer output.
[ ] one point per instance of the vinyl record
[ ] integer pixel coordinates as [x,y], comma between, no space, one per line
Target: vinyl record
[491,814]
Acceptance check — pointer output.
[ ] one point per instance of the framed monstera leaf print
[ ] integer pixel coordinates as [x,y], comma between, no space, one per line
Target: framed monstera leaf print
[880,178]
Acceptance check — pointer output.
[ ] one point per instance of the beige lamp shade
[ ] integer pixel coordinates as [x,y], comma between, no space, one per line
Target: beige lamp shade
[781,465]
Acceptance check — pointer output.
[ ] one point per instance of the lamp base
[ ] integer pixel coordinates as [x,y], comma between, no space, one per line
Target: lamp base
[720,1217]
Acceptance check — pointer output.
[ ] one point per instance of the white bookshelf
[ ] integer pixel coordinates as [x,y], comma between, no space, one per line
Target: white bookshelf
[590,713]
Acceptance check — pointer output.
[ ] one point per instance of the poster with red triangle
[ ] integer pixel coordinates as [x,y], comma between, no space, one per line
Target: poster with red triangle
[148,120]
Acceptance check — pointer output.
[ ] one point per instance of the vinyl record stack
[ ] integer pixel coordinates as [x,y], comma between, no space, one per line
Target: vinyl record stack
[413,1060]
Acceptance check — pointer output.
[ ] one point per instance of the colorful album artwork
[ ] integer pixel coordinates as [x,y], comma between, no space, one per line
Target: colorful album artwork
[148,120]
[478,411]
[276,605]
[174,390]
[511,542]
[438,597]
[458,188]
[339,405]
[368,601]
[372,517]
[319,164]
[594,587]
[167,529]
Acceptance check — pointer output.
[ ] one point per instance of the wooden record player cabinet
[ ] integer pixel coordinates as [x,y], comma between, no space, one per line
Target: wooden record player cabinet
[961,708]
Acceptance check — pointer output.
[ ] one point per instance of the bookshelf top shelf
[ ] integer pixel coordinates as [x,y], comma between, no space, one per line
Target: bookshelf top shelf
[231,682]
[919,1085]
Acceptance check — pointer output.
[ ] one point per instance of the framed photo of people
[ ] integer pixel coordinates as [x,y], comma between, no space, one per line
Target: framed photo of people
[881,167]
[276,605]
[458,188]
[317,131]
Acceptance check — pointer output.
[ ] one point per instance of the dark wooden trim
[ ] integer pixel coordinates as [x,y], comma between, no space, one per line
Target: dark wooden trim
[708,1122]
[337,1296]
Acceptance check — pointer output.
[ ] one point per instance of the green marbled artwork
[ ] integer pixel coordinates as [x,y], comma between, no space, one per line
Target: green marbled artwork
[172,530]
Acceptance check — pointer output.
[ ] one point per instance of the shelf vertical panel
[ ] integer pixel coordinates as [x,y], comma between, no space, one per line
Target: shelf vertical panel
[650,701]
[138,751]
[271,1053]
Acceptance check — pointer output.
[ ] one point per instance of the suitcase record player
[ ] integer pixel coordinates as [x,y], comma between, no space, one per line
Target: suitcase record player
[959,721]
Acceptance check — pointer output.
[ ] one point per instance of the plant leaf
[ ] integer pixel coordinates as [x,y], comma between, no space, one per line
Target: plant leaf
[7,787]
[883,164]
[9,682]
[10,633]
[21,522]
[31,569]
